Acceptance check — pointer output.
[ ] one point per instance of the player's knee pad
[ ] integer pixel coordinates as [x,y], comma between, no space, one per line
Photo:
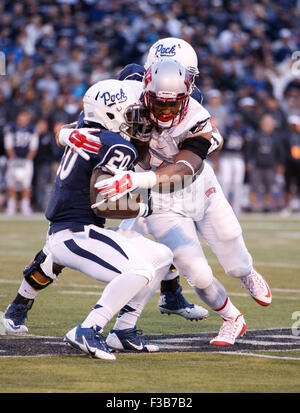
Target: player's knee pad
[163,257]
[239,272]
[198,274]
[147,271]
[241,265]
[41,271]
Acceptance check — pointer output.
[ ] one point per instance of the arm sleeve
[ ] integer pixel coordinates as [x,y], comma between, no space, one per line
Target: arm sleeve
[198,145]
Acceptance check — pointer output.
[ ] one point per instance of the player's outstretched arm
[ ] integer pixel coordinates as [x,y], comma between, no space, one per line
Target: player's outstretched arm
[81,140]
[186,163]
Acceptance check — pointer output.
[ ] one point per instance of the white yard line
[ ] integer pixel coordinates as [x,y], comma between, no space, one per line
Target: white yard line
[258,355]
[98,290]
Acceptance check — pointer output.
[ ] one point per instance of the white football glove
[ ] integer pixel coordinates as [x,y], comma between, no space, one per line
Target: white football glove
[124,182]
[80,140]
[216,141]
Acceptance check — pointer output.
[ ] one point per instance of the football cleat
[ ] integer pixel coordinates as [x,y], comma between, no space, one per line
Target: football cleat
[129,339]
[230,330]
[90,341]
[257,287]
[14,318]
[175,303]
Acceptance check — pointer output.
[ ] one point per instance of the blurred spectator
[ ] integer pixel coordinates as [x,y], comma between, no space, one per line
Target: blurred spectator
[3,117]
[273,108]
[217,109]
[292,166]
[42,178]
[231,173]
[265,159]
[21,144]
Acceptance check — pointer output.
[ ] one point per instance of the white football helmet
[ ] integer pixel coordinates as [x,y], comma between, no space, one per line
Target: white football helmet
[167,89]
[177,49]
[112,103]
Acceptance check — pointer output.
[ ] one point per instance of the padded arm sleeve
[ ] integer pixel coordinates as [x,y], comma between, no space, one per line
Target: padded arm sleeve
[197,145]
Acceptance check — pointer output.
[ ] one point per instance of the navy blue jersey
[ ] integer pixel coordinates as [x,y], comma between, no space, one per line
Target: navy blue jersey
[136,72]
[69,204]
[21,140]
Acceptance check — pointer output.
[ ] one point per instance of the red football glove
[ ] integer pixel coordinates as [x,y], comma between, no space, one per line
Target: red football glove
[80,140]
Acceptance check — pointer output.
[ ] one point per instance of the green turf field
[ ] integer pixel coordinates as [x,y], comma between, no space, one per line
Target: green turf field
[275,245]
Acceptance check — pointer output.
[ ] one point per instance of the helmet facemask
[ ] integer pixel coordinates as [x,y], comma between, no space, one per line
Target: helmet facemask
[137,125]
[166,112]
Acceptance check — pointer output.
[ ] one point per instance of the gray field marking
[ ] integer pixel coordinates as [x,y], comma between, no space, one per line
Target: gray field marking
[277,339]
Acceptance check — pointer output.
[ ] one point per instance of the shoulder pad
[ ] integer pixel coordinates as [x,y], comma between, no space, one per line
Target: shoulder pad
[197,119]
[132,72]
[115,151]
[80,120]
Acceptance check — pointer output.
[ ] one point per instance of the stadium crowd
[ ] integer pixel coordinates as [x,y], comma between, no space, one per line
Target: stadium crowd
[249,78]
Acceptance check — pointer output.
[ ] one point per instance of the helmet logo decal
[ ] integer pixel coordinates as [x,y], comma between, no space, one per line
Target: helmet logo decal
[165,51]
[112,99]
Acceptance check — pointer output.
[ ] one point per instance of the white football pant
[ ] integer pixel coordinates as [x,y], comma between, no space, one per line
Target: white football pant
[131,264]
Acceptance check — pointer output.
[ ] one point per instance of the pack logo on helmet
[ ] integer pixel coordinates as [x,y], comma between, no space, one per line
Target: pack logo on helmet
[112,99]
[165,51]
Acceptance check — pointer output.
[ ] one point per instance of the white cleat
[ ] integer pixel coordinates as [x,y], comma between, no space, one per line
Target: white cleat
[258,288]
[10,328]
[230,330]
[13,319]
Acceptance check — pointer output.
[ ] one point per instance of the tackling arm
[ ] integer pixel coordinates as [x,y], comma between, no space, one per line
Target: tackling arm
[186,163]
[127,207]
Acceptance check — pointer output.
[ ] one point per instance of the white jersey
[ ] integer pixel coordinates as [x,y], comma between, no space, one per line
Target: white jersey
[163,147]
[200,208]
[193,200]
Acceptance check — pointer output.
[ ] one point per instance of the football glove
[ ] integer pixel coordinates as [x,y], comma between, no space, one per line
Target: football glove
[124,182]
[80,140]
[216,142]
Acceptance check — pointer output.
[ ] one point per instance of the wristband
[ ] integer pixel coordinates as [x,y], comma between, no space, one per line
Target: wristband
[146,179]
[187,164]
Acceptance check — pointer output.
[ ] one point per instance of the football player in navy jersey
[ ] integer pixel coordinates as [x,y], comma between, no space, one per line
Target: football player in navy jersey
[21,144]
[130,263]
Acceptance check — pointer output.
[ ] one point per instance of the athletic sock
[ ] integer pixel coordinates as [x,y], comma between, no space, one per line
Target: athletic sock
[215,297]
[27,291]
[115,296]
[228,311]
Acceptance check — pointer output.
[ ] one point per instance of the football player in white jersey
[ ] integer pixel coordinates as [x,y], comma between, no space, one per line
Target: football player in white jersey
[177,150]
